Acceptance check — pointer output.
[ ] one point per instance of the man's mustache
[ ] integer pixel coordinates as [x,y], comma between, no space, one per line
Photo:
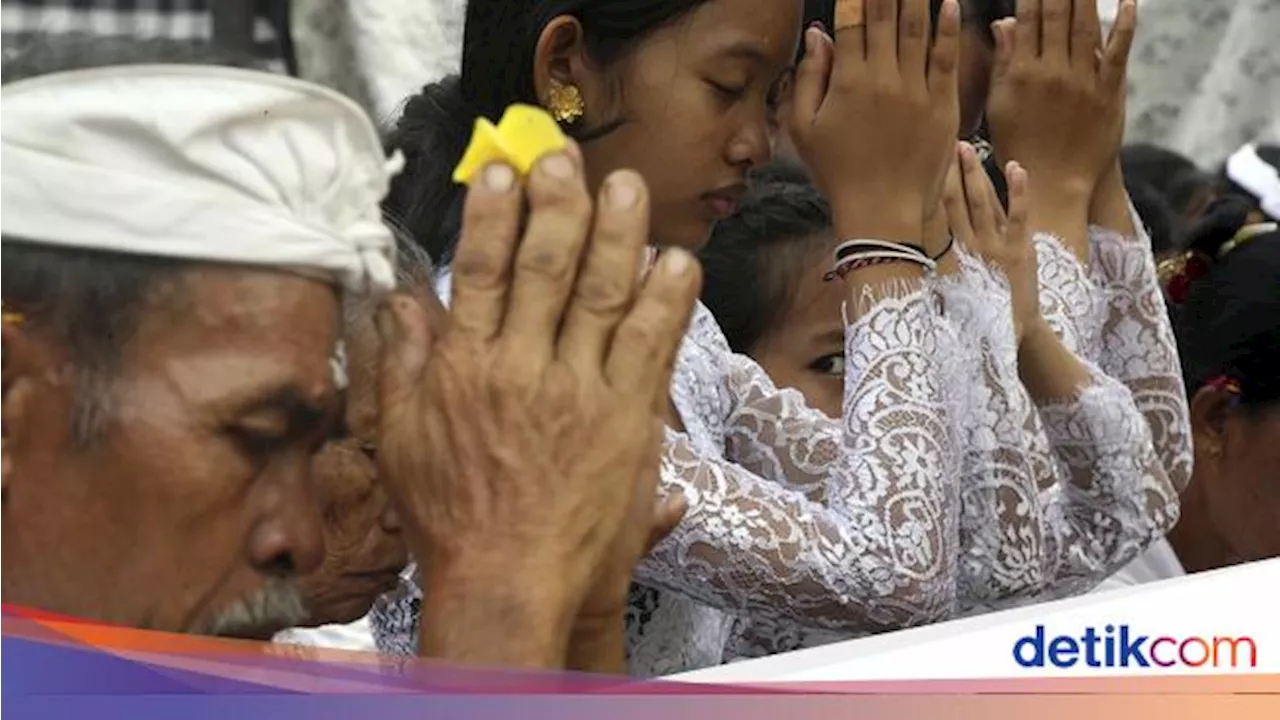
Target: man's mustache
[275,606]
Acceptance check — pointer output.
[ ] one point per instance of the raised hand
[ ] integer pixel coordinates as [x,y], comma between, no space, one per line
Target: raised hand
[981,225]
[875,116]
[1057,93]
[518,437]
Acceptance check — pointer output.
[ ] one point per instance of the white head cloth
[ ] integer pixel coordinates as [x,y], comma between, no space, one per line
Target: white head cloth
[200,163]
[1248,170]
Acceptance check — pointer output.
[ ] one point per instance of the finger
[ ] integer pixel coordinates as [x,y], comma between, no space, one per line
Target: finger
[954,204]
[407,334]
[1115,59]
[998,217]
[1086,32]
[547,262]
[1055,30]
[644,346]
[666,516]
[882,36]
[812,76]
[944,55]
[1003,31]
[486,249]
[1019,222]
[975,194]
[913,39]
[610,273]
[851,34]
[1027,43]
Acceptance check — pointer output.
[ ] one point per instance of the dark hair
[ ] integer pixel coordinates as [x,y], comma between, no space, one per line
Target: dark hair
[1163,225]
[1229,323]
[1270,154]
[91,301]
[752,264]
[499,41]
[1172,175]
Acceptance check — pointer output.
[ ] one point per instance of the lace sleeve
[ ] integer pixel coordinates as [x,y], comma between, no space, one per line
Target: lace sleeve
[1137,342]
[878,553]
[1053,498]
[1069,302]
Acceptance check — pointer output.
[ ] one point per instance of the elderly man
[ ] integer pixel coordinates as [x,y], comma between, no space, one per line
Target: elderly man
[172,239]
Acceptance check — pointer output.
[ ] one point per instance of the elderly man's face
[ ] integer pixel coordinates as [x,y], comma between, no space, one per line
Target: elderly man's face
[192,511]
[364,548]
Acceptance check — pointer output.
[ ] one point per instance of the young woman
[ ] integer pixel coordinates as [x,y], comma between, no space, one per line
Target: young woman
[794,520]
[1228,324]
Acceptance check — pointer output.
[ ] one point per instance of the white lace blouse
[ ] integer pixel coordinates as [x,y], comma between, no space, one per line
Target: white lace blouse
[942,490]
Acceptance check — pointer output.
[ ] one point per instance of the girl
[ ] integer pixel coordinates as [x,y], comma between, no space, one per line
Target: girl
[793,519]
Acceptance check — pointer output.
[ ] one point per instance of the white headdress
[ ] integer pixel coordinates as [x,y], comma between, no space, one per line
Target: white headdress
[1248,170]
[198,162]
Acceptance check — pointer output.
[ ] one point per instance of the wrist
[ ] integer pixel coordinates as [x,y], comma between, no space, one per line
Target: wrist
[894,220]
[597,643]
[515,614]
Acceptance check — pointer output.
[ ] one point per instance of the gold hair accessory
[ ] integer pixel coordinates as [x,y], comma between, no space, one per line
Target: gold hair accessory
[524,134]
[565,103]
[849,14]
[12,318]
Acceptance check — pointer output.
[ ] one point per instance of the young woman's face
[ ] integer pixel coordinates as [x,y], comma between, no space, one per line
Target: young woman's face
[804,349]
[976,60]
[697,98]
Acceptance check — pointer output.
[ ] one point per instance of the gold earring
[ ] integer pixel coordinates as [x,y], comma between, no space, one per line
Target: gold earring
[565,103]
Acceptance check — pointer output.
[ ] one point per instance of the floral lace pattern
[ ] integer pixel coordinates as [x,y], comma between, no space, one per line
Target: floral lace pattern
[803,530]
[1138,347]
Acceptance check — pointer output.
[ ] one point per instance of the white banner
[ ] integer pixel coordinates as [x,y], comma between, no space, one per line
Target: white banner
[1226,621]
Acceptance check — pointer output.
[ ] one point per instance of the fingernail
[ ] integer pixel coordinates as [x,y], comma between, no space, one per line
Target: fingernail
[622,192]
[558,166]
[674,262]
[967,152]
[811,38]
[499,177]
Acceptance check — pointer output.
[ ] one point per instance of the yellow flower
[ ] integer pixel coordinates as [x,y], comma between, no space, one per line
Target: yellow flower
[524,134]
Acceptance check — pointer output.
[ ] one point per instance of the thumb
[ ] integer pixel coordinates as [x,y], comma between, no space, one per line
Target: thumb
[811,79]
[667,514]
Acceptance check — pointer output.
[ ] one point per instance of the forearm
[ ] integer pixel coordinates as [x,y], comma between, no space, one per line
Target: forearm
[1048,369]
[1109,207]
[1061,208]
[519,619]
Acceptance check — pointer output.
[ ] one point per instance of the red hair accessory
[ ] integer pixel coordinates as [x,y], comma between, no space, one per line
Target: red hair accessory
[1177,274]
[1227,384]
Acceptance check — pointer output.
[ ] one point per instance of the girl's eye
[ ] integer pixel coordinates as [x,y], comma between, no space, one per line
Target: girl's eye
[832,364]
[727,92]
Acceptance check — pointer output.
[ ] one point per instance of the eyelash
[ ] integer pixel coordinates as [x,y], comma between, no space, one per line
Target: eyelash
[728,94]
[256,445]
[824,364]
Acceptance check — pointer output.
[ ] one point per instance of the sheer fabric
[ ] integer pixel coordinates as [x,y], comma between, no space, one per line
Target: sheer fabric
[944,489]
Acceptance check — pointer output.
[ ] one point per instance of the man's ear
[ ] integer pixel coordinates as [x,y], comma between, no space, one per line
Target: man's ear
[25,360]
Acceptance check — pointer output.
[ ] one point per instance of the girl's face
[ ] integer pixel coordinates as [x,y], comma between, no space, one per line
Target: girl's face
[804,349]
[697,98]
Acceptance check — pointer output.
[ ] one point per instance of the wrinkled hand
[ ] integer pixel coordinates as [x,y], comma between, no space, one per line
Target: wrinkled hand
[516,437]
[875,116]
[1057,98]
[1004,241]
